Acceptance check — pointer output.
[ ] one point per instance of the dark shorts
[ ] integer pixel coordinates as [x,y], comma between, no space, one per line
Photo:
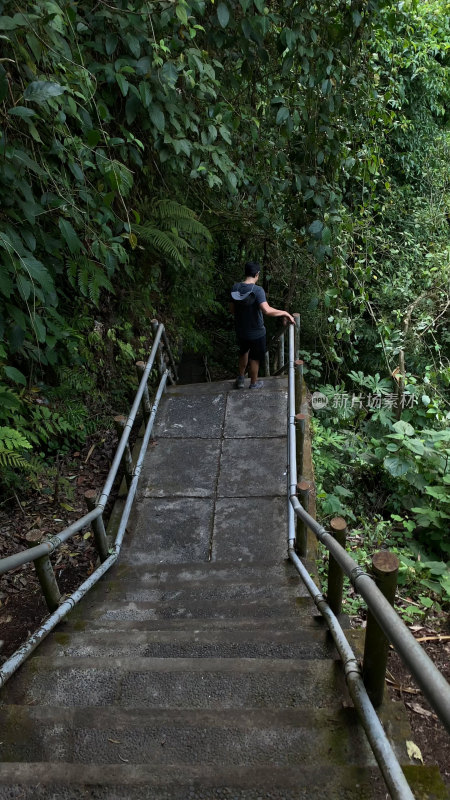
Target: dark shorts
[256,348]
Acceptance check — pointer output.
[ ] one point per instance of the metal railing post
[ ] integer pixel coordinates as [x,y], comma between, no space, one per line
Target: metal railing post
[303,490]
[300,427]
[127,459]
[281,351]
[376,647]
[296,336]
[171,358]
[338,527]
[145,402]
[45,574]
[98,527]
[267,364]
[298,364]
[161,365]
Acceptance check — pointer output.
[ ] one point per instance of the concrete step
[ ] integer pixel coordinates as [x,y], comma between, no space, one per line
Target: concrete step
[120,781]
[77,622]
[299,643]
[267,608]
[233,737]
[190,574]
[225,387]
[203,683]
[206,593]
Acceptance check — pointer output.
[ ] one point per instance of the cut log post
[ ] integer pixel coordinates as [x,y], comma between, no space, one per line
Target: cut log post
[300,427]
[298,383]
[44,572]
[145,402]
[376,647]
[338,527]
[127,459]
[161,363]
[98,527]
[303,490]
[296,336]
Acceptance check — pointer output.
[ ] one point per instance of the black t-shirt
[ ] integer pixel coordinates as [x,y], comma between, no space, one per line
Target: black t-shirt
[248,318]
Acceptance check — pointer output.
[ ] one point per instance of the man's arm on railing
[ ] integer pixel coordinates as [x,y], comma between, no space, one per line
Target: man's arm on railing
[275,312]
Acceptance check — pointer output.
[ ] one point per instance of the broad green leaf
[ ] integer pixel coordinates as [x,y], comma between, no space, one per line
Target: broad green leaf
[282,115]
[223,14]
[9,23]
[123,83]
[15,375]
[326,236]
[40,91]
[396,466]
[22,111]
[182,14]
[134,45]
[225,134]
[404,428]
[316,227]
[157,117]
[93,138]
[69,235]
[145,93]
[39,328]
[111,43]
[24,286]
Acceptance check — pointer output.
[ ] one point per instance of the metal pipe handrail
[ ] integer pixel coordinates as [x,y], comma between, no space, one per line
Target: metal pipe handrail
[48,547]
[432,683]
[379,742]
[14,662]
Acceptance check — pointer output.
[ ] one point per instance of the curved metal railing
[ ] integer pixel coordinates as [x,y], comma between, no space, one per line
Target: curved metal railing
[432,683]
[108,555]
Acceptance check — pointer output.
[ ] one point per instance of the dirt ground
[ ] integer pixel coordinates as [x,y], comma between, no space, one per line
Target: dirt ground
[22,608]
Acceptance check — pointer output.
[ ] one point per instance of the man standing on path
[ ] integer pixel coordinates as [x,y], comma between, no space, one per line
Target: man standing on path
[248,305]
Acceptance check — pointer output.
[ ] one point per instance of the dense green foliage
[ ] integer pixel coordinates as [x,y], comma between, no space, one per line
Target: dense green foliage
[148,149]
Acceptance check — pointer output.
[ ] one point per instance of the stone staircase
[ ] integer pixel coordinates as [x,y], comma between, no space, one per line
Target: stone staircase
[197,668]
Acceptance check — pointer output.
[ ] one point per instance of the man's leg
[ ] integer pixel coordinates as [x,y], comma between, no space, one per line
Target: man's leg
[243,361]
[253,369]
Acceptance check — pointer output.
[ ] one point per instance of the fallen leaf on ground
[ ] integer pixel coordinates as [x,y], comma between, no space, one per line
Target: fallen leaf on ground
[420,710]
[413,751]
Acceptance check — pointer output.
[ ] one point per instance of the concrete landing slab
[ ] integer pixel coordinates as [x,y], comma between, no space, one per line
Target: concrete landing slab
[250,529]
[191,416]
[257,413]
[253,467]
[170,531]
[181,468]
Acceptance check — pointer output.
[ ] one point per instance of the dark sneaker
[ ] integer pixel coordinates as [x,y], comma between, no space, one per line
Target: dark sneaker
[257,385]
[240,382]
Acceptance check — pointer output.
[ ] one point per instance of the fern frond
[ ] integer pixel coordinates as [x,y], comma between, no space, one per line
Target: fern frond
[12,460]
[88,277]
[175,215]
[12,440]
[161,241]
[12,445]
[194,228]
[170,209]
